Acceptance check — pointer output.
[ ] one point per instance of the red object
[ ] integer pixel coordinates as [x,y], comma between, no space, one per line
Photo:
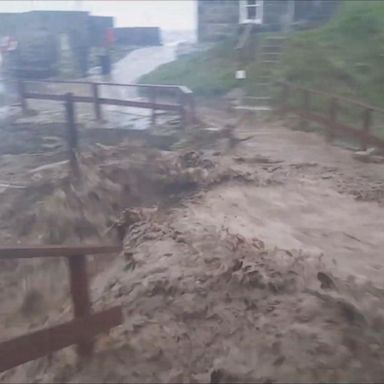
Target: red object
[109,37]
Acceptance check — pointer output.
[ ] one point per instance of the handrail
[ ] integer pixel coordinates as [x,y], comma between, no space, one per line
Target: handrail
[331,118]
[328,94]
[22,349]
[185,105]
[180,88]
[102,100]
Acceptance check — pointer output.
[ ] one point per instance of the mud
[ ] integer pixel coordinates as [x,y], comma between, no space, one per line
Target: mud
[253,263]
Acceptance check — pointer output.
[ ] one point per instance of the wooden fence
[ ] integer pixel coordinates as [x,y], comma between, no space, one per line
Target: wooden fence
[301,102]
[185,106]
[85,325]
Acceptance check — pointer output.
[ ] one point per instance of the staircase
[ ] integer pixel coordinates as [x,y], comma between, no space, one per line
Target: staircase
[268,57]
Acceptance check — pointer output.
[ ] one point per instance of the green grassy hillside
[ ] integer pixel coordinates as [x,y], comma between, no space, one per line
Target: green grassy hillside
[206,73]
[346,56]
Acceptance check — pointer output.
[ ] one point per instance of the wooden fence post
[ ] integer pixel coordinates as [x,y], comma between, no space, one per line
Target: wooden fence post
[22,99]
[72,136]
[71,123]
[96,101]
[304,123]
[192,106]
[333,109]
[80,297]
[153,97]
[183,116]
[367,123]
[285,93]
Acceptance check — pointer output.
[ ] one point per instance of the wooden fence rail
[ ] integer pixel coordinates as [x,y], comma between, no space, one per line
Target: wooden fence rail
[82,329]
[185,106]
[330,119]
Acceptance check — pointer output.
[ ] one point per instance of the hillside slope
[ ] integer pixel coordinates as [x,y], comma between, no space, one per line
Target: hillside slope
[345,56]
[206,73]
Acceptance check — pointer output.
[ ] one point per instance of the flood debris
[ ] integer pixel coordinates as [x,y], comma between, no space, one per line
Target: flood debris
[223,277]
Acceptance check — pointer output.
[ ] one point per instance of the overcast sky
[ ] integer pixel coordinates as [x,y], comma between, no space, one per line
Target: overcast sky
[167,14]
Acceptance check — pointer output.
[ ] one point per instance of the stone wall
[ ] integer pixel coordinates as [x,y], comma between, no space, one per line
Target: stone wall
[85,29]
[39,34]
[217,19]
[54,22]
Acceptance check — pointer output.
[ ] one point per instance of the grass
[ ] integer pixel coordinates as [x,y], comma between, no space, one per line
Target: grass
[207,73]
[346,57]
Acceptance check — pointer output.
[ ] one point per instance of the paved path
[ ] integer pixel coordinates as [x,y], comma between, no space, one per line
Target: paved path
[129,70]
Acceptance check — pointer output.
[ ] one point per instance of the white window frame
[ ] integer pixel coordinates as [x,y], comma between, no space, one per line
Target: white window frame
[244,6]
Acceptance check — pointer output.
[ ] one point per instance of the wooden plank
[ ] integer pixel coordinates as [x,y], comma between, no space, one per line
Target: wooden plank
[284,98]
[152,99]
[160,86]
[72,135]
[338,127]
[80,297]
[89,99]
[58,82]
[25,252]
[367,124]
[306,95]
[43,96]
[340,98]
[139,104]
[22,96]
[309,115]
[96,102]
[38,344]
[332,115]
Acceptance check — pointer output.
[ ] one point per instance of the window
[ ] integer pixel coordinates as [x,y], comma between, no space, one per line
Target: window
[251,11]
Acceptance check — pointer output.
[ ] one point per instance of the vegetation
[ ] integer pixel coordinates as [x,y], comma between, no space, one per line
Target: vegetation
[207,73]
[346,56]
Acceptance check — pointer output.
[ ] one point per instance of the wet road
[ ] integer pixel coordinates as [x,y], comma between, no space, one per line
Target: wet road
[142,61]
[129,70]
[136,64]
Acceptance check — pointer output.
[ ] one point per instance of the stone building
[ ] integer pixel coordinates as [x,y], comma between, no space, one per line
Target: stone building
[218,19]
[39,34]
